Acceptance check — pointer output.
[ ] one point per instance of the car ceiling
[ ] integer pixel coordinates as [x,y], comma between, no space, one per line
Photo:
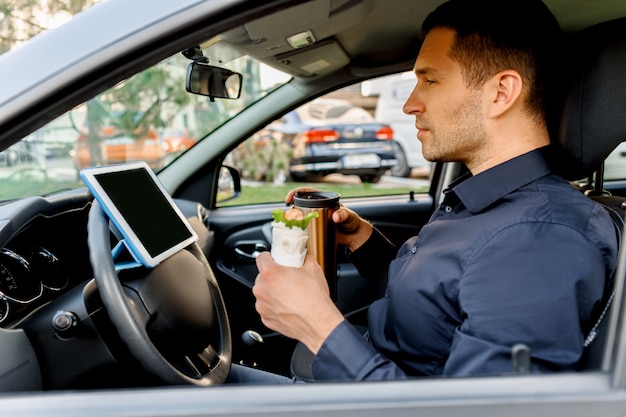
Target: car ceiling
[368,34]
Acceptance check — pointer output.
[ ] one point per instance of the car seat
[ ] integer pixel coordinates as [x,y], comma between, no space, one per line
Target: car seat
[592,125]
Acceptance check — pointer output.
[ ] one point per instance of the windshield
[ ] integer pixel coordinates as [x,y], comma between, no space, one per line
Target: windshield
[149,117]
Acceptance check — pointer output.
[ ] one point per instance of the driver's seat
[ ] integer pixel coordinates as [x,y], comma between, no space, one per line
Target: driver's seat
[590,129]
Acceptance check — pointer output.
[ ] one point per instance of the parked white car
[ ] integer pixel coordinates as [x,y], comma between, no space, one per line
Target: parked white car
[392,91]
[615,164]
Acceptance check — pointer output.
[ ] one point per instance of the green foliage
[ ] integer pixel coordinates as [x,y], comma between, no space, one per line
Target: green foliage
[148,100]
[30,181]
[20,20]
[264,157]
[262,192]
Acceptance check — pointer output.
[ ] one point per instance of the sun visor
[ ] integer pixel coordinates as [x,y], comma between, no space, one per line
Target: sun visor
[289,21]
[283,32]
[320,59]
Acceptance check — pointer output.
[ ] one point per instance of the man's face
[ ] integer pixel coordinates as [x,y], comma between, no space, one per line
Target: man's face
[447,113]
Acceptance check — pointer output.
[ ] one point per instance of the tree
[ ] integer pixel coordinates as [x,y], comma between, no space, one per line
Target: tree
[135,108]
[149,100]
[142,105]
[20,20]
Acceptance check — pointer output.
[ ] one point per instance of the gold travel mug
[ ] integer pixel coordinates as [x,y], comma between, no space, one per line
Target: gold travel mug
[322,230]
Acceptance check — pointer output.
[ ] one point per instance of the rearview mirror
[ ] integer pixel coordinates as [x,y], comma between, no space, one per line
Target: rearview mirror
[214,82]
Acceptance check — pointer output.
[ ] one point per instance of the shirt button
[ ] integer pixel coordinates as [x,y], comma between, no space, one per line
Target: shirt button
[387,293]
[413,250]
[448,209]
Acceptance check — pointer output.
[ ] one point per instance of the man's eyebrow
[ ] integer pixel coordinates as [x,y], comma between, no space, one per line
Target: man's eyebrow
[426,71]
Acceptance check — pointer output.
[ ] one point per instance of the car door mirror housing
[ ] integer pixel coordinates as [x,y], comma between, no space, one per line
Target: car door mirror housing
[213,82]
[228,184]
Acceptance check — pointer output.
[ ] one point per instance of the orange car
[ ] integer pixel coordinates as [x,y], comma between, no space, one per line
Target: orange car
[177,139]
[115,149]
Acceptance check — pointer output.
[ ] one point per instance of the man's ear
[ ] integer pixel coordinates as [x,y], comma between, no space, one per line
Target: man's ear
[505,92]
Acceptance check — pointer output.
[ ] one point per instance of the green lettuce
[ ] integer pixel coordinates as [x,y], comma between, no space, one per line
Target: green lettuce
[279,217]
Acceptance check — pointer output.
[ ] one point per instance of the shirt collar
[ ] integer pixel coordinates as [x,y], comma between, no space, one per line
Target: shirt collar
[480,191]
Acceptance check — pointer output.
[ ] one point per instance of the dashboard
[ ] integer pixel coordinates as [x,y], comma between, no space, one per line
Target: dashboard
[54,330]
[43,253]
[23,279]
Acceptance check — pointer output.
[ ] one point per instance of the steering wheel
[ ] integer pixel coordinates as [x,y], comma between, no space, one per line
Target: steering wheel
[172,318]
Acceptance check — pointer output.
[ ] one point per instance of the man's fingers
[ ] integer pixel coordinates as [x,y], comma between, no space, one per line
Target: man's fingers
[341,215]
[264,260]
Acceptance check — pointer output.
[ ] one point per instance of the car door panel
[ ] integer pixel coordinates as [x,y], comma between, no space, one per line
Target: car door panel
[242,232]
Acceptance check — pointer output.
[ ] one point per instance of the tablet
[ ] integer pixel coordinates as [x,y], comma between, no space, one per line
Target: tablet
[151,224]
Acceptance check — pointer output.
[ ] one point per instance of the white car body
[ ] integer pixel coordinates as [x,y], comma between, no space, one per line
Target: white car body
[393,92]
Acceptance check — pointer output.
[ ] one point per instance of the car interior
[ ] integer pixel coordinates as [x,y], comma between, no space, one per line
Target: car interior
[74,323]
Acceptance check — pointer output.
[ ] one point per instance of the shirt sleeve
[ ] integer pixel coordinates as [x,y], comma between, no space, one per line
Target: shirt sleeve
[372,261]
[346,355]
[536,292]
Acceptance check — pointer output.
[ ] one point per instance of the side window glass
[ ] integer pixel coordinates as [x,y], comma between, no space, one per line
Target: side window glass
[615,164]
[356,141]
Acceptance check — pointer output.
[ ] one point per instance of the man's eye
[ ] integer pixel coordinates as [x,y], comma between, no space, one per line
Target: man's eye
[430,82]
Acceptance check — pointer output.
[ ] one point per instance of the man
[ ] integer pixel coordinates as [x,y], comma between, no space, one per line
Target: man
[514,254]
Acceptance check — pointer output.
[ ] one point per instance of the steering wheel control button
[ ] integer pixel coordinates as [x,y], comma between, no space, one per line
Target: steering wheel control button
[64,321]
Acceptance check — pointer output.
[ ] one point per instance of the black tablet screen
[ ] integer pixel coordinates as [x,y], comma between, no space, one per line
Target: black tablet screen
[146,210]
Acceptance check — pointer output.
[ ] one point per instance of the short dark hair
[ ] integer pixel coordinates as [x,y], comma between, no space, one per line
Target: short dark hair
[496,35]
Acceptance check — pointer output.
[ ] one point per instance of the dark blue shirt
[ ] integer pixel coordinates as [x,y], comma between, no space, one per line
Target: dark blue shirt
[513,255]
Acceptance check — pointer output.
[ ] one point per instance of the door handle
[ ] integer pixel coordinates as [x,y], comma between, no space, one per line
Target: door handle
[250,249]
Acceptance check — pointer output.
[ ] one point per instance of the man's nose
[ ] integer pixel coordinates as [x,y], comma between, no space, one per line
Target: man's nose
[414,103]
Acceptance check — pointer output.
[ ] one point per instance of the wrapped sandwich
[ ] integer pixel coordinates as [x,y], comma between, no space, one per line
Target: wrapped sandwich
[290,236]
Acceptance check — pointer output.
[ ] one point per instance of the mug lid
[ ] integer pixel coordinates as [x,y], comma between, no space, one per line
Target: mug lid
[316,199]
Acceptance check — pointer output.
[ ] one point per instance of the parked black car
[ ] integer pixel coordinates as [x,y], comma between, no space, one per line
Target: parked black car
[323,137]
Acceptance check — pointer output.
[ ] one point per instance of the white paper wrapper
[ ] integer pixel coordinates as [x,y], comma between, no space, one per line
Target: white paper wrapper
[288,245]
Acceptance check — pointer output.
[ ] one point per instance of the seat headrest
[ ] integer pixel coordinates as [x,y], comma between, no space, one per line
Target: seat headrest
[593,119]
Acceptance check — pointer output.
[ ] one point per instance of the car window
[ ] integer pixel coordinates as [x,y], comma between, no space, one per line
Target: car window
[615,164]
[339,142]
[148,117]
[355,141]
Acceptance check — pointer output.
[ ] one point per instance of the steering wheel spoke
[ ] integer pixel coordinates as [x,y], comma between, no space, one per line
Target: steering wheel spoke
[202,363]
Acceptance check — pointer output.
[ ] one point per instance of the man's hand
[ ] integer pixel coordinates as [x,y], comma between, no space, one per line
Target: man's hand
[295,301]
[352,230]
